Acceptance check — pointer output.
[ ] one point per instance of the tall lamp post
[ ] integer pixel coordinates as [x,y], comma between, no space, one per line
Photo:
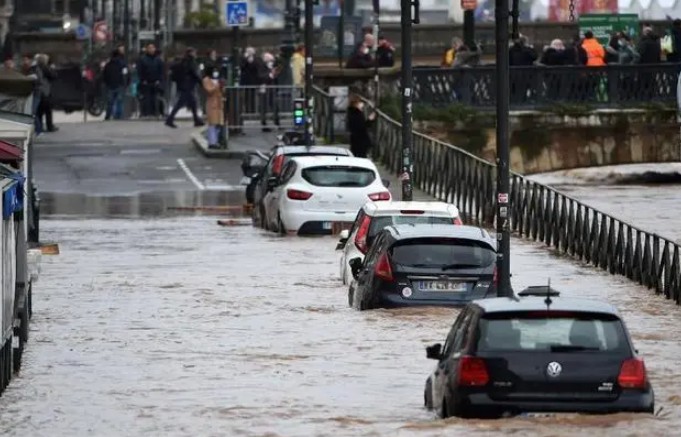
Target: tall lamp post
[406,22]
[309,100]
[503,173]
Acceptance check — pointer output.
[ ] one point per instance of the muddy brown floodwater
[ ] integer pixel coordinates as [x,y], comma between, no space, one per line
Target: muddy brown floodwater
[178,327]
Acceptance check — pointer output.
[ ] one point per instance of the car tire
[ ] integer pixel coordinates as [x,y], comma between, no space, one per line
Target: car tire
[262,218]
[444,411]
[427,402]
[281,229]
[350,296]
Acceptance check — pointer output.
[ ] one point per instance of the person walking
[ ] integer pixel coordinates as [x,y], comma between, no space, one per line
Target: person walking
[116,79]
[212,86]
[186,77]
[48,76]
[150,71]
[358,127]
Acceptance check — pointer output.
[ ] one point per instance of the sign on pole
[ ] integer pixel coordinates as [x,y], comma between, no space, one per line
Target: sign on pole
[603,25]
[469,5]
[101,31]
[83,32]
[299,112]
[236,13]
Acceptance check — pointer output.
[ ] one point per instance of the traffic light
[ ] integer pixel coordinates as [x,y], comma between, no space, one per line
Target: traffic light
[299,112]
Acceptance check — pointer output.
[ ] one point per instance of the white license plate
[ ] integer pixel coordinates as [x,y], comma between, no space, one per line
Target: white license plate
[245,180]
[442,286]
[327,226]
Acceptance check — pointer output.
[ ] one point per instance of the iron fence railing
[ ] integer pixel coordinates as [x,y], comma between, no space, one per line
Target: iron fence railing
[540,86]
[537,212]
[324,114]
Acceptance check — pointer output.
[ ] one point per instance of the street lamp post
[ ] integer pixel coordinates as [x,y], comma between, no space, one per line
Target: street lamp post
[407,92]
[309,100]
[503,173]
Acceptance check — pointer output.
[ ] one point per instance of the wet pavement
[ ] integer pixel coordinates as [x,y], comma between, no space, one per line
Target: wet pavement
[157,322]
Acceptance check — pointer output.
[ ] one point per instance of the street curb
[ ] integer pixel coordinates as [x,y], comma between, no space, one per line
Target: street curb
[201,145]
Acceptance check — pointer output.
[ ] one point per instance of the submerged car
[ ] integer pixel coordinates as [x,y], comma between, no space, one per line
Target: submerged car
[507,356]
[374,216]
[434,265]
[316,194]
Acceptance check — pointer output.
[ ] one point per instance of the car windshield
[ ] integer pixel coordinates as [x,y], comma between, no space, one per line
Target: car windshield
[339,176]
[446,253]
[552,331]
[378,223]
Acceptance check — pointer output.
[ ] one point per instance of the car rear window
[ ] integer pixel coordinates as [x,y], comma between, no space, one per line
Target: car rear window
[552,331]
[339,176]
[445,252]
[378,223]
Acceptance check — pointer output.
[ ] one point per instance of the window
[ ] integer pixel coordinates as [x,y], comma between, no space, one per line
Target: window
[339,176]
[374,250]
[554,331]
[358,220]
[288,171]
[379,223]
[447,349]
[441,252]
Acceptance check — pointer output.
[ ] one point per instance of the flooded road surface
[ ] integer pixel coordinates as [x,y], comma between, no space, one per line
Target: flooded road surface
[646,195]
[178,327]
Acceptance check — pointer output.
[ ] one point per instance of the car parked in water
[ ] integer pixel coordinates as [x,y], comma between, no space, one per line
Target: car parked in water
[435,265]
[374,216]
[278,157]
[531,354]
[317,193]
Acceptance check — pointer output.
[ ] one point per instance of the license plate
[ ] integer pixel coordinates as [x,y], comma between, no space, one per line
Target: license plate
[439,286]
[245,180]
[327,226]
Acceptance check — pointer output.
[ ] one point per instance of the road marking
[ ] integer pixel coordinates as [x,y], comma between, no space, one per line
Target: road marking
[190,175]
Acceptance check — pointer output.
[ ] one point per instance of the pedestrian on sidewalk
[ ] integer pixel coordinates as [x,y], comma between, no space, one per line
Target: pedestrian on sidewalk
[150,71]
[116,79]
[48,76]
[213,86]
[186,77]
[358,127]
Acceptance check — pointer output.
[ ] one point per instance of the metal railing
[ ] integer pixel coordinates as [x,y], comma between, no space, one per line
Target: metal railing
[538,212]
[261,104]
[540,86]
[324,114]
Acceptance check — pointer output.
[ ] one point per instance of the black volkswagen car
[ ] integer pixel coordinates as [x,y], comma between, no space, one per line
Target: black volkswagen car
[424,264]
[507,356]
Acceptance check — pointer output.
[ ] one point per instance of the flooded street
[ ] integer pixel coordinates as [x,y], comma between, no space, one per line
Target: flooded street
[176,326]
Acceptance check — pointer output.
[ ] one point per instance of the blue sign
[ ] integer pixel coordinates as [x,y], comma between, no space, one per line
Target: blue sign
[236,13]
[83,32]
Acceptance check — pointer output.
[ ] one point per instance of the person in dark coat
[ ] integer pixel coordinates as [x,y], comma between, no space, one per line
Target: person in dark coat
[649,48]
[186,77]
[385,53]
[521,54]
[48,77]
[362,58]
[675,55]
[358,127]
[115,77]
[554,54]
[575,53]
[150,71]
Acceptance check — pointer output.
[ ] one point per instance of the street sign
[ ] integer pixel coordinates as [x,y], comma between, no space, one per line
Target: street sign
[101,31]
[603,25]
[299,112]
[469,5]
[236,13]
[83,32]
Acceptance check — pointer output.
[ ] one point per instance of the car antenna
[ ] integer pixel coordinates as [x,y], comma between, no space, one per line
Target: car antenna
[548,300]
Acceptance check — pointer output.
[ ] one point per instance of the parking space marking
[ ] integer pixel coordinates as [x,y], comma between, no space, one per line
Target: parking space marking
[190,175]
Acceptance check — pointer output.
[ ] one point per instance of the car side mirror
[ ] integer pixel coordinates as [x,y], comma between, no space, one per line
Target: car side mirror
[272,182]
[386,183]
[355,266]
[434,352]
[344,235]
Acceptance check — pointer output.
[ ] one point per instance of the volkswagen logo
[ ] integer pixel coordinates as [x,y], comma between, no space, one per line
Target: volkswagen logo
[554,369]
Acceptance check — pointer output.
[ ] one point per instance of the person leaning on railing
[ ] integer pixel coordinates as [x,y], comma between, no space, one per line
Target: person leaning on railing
[358,127]
[595,52]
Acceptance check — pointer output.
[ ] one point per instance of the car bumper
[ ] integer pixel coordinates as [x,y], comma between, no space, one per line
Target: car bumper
[394,299]
[315,222]
[631,402]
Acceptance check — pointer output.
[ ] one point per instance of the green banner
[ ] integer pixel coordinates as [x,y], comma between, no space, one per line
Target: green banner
[604,25]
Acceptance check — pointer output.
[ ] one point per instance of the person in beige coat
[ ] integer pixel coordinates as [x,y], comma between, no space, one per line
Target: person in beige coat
[213,85]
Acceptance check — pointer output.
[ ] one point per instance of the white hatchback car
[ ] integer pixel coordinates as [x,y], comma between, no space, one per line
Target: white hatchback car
[316,194]
[374,216]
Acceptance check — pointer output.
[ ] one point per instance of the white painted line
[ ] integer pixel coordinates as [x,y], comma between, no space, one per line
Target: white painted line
[225,188]
[190,175]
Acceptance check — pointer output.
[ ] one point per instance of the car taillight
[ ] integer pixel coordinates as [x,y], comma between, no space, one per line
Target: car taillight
[383,269]
[277,164]
[457,221]
[297,194]
[383,195]
[361,237]
[472,371]
[633,374]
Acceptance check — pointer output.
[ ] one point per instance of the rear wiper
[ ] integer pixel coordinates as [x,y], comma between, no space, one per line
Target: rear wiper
[418,265]
[462,266]
[571,348]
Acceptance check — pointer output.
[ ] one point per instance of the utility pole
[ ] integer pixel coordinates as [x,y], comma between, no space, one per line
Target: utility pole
[407,91]
[469,23]
[157,22]
[309,100]
[375,49]
[503,174]
[126,26]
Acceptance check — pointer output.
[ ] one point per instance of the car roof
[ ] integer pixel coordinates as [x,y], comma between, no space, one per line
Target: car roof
[329,150]
[406,231]
[536,303]
[389,208]
[315,160]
